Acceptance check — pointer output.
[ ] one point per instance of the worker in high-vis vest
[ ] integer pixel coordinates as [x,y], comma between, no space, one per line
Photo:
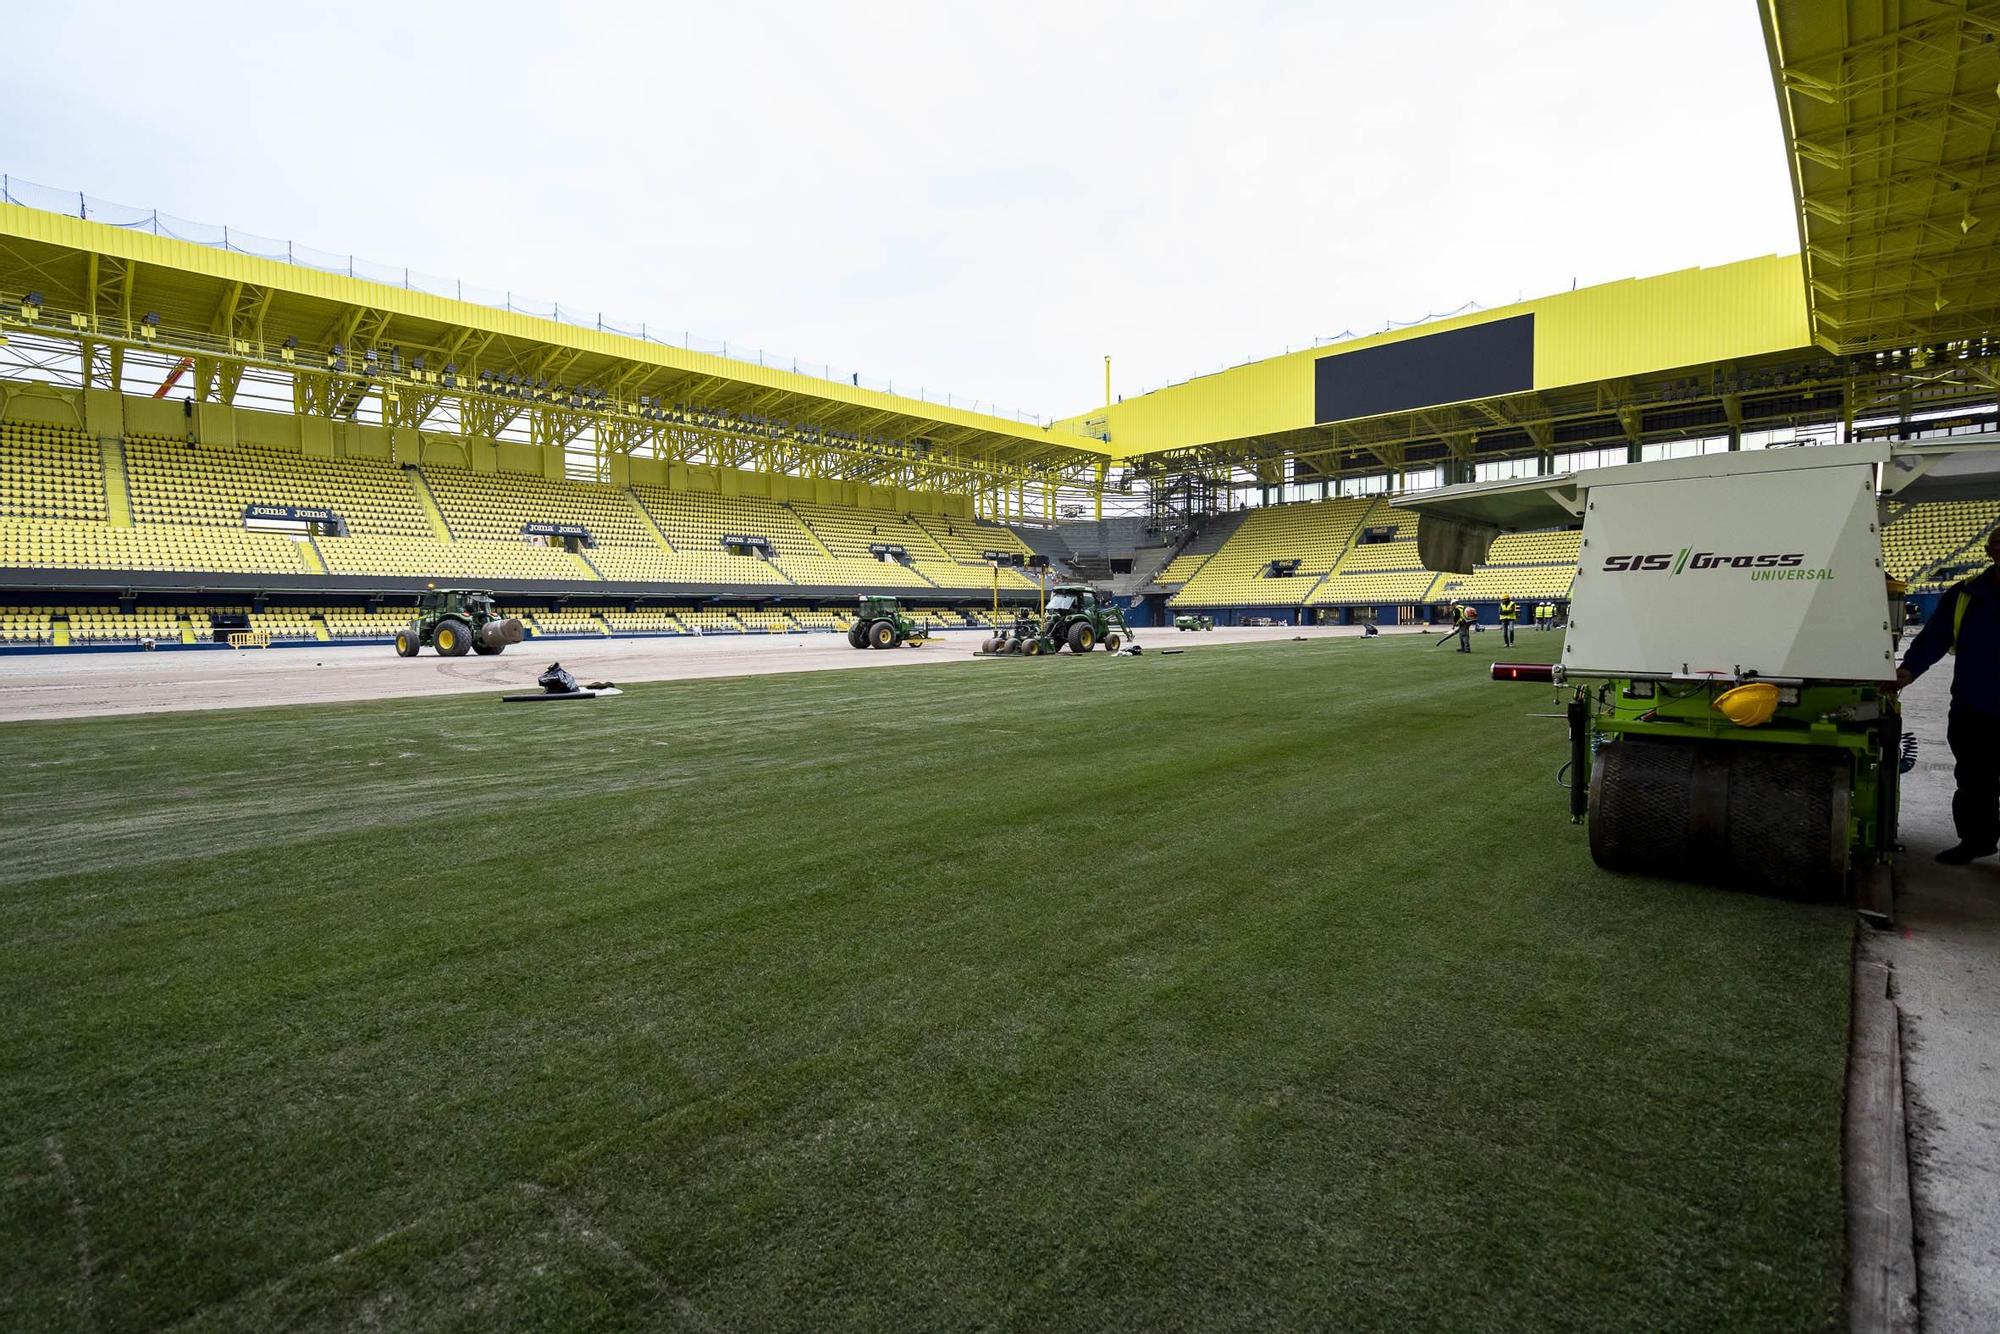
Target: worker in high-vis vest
[1966,626]
[1545,615]
[1509,613]
[1467,618]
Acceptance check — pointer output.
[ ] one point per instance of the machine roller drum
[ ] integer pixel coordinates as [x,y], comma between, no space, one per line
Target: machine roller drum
[1767,818]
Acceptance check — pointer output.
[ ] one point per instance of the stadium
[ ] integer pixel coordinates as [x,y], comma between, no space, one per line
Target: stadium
[1152,985]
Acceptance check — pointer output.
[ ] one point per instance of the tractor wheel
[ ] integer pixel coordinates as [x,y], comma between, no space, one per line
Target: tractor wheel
[989,646]
[1113,642]
[1033,648]
[855,638]
[409,641]
[1082,639]
[882,635]
[453,637]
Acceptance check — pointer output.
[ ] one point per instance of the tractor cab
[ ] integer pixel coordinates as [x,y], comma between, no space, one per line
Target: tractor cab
[1078,598]
[876,608]
[456,602]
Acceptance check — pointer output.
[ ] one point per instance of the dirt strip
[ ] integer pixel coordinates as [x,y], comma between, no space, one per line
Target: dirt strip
[80,685]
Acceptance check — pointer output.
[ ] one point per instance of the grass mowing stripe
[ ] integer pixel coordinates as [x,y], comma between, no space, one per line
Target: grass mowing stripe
[1260,984]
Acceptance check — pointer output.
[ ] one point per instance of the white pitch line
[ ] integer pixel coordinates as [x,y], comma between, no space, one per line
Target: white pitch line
[86,1264]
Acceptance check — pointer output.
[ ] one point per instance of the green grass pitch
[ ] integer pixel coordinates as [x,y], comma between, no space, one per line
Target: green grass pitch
[1257,987]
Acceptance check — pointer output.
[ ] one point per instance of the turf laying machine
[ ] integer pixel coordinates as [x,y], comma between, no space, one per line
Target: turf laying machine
[456,621]
[1731,630]
[1077,617]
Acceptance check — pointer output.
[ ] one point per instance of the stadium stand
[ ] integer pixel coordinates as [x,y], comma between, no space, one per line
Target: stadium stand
[187,506]
[1331,572]
[695,523]
[809,619]
[1315,535]
[498,506]
[967,541]
[770,622]
[660,621]
[1522,565]
[175,625]
[45,544]
[188,502]
[711,621]
[359,623]
[1215,530]
[1919,539]
[172,482]
[26,625]
[1377,572]
[545,622]
[289,623]
[422,558]
[848,533]
[49,472]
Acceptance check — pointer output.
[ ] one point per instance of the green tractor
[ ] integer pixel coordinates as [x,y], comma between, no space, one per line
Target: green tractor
[880,623]
[1078,617]
[456,621]
[1192,621]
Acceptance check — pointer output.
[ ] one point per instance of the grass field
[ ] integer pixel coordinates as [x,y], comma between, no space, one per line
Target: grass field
[1257,987]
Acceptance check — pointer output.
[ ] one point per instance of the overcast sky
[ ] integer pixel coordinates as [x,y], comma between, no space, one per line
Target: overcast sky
[984,199]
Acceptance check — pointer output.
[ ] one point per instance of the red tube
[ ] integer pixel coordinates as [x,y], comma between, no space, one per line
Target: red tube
[1542,672]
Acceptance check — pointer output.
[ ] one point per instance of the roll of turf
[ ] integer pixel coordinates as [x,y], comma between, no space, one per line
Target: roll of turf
[1770,818]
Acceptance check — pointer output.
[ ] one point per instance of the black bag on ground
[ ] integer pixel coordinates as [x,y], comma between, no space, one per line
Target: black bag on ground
[557,681]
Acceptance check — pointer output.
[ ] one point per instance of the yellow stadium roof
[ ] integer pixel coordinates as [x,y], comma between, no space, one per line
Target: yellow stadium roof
[218,303]
[1889,111]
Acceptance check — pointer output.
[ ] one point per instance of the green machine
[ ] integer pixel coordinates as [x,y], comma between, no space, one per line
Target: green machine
[1193,621]
[1730,636]
[1077,617]
[457,621]
[880,623]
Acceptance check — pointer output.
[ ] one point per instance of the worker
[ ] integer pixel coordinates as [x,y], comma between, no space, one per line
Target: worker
[1545,615]
[1466,617]
[1509,613]
[1966,624]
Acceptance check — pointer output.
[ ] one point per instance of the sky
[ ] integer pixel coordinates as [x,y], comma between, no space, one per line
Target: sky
[985,200]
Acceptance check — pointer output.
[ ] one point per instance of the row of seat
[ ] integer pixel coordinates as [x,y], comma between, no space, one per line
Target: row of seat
[174,482]
[95,624]
[1335,566]
[464,558]
[184,494]
[50,472]
[48,544]
[1315,535]
[1919,537]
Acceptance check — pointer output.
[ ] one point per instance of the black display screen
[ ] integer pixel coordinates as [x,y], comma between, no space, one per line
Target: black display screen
[1482,361]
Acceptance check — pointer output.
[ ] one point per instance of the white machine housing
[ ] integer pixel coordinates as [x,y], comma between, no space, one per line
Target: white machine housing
[1763,565]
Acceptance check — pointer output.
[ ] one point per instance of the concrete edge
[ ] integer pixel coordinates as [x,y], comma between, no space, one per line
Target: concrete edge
[1881,1244]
